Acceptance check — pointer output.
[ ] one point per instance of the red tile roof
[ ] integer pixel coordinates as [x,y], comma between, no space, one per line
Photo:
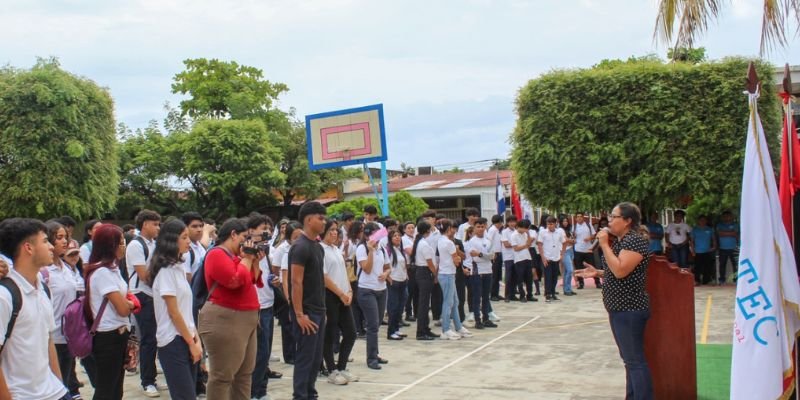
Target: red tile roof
[444,181]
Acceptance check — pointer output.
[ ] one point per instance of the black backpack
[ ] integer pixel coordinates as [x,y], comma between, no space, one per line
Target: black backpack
[200,290]
[146,255]
[16,306]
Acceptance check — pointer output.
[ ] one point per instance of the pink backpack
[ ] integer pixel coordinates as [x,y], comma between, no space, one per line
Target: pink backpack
[76,328]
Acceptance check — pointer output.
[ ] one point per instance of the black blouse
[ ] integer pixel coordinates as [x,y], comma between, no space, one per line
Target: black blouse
[628,293]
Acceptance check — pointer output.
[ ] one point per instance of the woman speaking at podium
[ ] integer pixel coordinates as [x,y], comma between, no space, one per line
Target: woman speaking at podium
[625,256]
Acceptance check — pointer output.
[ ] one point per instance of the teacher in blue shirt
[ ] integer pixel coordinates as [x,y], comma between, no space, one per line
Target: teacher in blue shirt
[703,246]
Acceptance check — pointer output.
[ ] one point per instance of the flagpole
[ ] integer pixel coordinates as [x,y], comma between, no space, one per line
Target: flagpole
[787,88]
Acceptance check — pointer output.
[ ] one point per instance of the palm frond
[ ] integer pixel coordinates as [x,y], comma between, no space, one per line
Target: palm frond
[694,17]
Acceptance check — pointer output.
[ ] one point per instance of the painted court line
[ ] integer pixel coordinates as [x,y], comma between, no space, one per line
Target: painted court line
[704,331]
[457,360]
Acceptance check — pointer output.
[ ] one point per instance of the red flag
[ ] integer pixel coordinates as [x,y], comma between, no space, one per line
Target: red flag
[790,171]
[516,207]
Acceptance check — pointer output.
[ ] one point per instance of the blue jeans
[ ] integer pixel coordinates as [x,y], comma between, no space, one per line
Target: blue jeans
[568,268]
[449,302]
[396,302]
[481,286]
[146,320]
[628,329]
[258,389]
[180,371]
[680,255]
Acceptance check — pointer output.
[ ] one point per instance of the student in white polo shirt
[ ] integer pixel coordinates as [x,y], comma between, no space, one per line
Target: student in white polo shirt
[137,259]
[179,348]
[29,363]
[552,244]
[479,256]
[520,242]
[508,257]
[197,252]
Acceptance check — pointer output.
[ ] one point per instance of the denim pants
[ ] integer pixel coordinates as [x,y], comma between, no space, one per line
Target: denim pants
[449,302]
[396,302]
[481,287]
[373,304]
[258,388]
[724,256]
[308,358]
[568,268]
[179,369]
[146,321]
[628,330]
[680,255]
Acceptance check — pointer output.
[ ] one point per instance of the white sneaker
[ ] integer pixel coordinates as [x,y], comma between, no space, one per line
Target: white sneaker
[347,375]
[337,378]
[151,391]
[161,388]
[159,371]
[450,335]
[464,332]
[493,317]
[437,322]
[470,317]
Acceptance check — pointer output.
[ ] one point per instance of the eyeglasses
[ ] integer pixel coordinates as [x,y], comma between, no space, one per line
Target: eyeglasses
[612,216]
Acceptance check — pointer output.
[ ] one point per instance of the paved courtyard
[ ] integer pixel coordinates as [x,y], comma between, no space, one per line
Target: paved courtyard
[562,350]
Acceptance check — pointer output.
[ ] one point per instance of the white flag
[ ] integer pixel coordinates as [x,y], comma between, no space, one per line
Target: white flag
[767,292]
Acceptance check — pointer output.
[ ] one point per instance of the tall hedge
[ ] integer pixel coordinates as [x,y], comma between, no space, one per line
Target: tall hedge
[644,131]
[58,147]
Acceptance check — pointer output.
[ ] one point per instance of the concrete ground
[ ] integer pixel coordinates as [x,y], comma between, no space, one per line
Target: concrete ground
[562,350]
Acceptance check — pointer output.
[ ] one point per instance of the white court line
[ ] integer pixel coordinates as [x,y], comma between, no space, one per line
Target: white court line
[457,360]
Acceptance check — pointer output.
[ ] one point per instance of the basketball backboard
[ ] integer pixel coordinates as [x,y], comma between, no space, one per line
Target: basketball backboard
[346,137]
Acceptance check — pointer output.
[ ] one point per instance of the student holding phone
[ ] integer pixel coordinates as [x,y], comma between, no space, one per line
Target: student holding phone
[375,270]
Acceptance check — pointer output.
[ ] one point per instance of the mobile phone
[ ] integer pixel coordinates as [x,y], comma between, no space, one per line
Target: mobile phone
[378,235]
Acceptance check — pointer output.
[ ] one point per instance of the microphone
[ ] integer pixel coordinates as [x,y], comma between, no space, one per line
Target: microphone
[596,241]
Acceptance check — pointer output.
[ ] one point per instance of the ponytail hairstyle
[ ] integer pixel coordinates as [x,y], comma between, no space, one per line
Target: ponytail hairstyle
[105,244]
[445,225]
[423,227]
[392,247]
[290,228]
[167,252]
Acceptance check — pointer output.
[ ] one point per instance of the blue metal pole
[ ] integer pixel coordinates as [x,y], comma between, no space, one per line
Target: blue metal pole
[385,189]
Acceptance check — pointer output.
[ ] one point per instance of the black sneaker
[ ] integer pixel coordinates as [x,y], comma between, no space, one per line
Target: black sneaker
[554,297]
[411,318]
[374,365]
[489,324]
[507,301]
[435,335]
[547,299]
[425,337]
[478,325]
[534,299]
[537,293]
[523,300]
[513,298]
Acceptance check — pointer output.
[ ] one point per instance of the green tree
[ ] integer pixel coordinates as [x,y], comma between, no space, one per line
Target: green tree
[403,206]
[692,18]
[231,165]
[222,89]
[58,151]
[642,131]
[693,56]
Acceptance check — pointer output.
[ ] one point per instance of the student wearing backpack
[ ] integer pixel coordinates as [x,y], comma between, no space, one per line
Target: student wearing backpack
[111,304]
[179,348]
[86,247]
[60,279]
[196,253]
[137,256]
[229,319]
[30,368]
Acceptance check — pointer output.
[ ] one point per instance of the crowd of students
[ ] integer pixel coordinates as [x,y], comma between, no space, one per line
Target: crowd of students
[204,301]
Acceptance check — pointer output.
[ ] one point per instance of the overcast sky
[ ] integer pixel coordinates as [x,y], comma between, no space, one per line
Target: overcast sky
[447,72]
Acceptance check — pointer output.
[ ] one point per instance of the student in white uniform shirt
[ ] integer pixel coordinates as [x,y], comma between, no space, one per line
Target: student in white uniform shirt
[479,255]
[472,215]
[678,240]
[60,279]
[552,244]
[30,368]
[86,248]
[292,232]
[409,231]
[436,292]
[521,242]
[194,257]
[508,257]
[398,284]
[111,305]
[179,347]
[375,270]
[148,223]
[423,257]
[371,215]
[494,233]
[448,260]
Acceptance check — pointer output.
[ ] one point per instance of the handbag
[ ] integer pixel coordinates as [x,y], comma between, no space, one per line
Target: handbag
[132,353]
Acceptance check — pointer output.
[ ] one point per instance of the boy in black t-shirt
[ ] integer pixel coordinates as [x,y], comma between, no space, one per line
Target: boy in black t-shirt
[307,298]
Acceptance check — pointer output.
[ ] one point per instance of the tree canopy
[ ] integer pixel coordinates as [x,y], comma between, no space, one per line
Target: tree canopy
[403,206]
[58,151]
[644,131]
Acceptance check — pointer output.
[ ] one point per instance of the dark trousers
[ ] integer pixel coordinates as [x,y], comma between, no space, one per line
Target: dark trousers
[287,336]
[179,369]
[358,315]
[109,350]
[511,281]
[550,277]
[258,388]
[66,362]
[90,366]
[340,321]
[628,330]
[724,256]
[308,357]
[704,267]
[395,303]
[373,304]
[436,301]
[146,320]
[413,293]
[481,287]
[461,291]
[497,274]
[521,270]
[579,259]
[680,255]
[425,287]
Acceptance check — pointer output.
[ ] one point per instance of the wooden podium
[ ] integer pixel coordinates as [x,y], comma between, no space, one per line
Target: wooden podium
[669,342]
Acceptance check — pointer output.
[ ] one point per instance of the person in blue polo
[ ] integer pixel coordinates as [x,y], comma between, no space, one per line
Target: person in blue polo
[704,244]
[728,233]
[656,234]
